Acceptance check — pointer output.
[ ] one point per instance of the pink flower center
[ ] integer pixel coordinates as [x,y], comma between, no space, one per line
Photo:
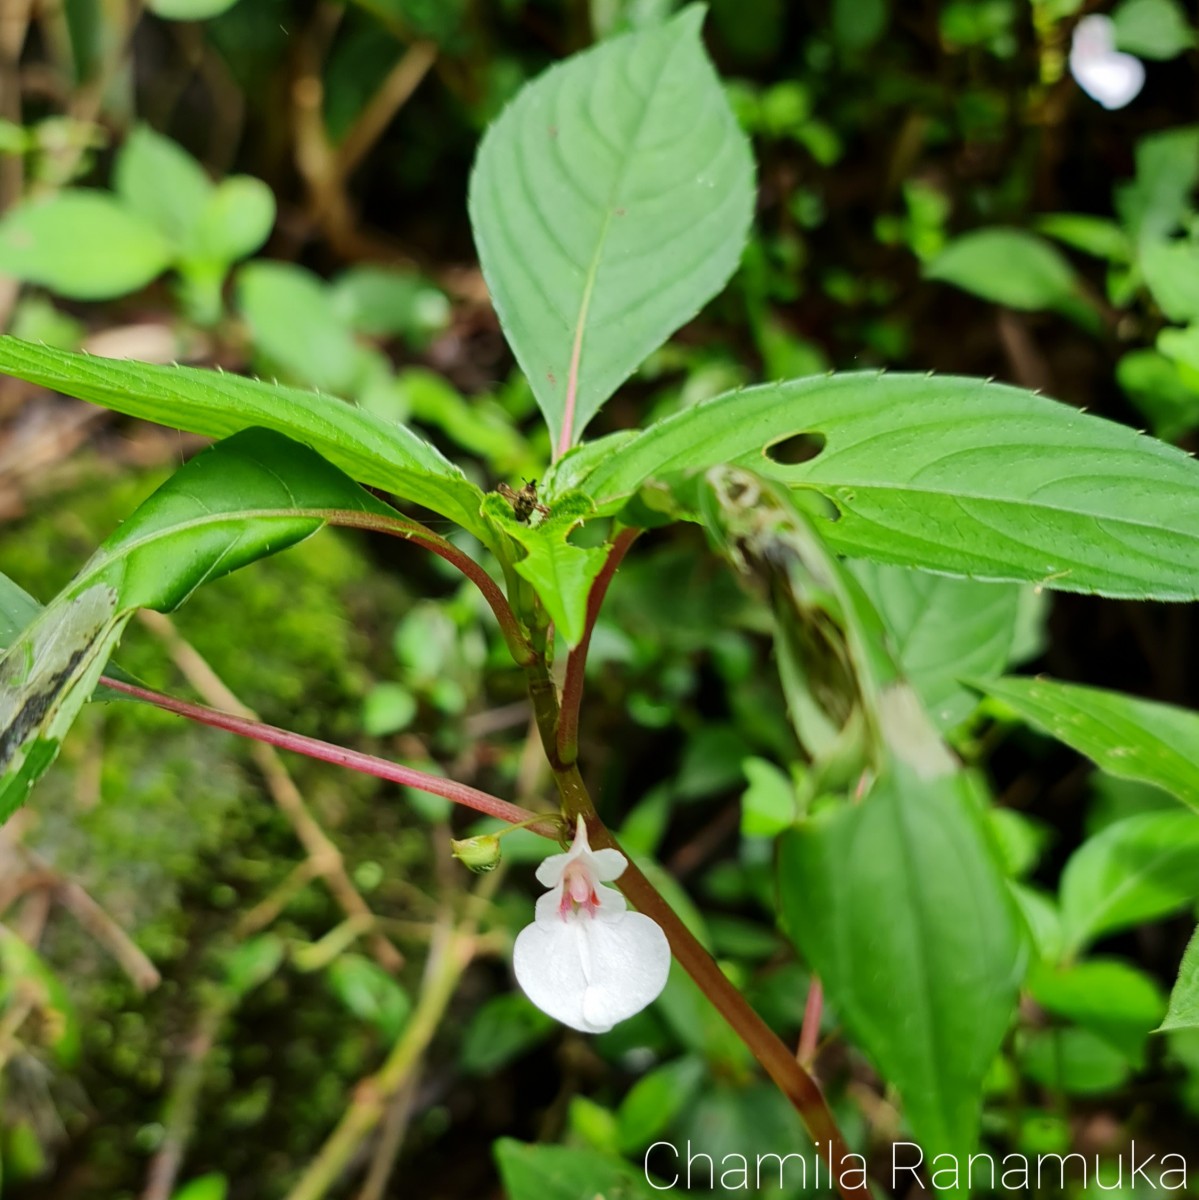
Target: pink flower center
[578,891]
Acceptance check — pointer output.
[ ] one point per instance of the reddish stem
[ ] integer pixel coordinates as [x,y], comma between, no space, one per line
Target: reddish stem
[367,764]
[572,685]
[780,1064]
[809,1031]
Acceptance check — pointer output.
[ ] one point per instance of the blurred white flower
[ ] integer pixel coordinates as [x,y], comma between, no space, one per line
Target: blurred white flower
[586,960]
[1103,72]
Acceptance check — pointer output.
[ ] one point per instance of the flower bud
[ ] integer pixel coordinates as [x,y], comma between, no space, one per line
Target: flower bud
[481,854]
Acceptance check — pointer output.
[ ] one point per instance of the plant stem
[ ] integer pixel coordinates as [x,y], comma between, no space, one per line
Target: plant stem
[809,1032]
[572,686]
[367,764]
[763,1043]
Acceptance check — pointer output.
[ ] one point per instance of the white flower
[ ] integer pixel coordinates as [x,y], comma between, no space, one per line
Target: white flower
[1102,71]
[586,960]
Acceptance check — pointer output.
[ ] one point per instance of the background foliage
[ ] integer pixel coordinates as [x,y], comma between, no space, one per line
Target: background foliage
[277,188]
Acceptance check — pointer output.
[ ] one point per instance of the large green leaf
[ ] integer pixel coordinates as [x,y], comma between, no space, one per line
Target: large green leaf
[898,905]
[1132,871]
[1130,738]
[249,496]
[82,244]
[609,202]
[949,474]
[371,450]
[943,630]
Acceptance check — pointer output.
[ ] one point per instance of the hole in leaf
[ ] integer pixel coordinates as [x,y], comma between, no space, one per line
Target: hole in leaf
[798,448]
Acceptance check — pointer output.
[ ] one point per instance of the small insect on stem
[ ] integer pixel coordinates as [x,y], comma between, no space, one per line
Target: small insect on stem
[524,503]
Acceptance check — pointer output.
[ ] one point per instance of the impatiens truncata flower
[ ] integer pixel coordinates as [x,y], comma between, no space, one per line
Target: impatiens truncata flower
[586,960]
[1102,71]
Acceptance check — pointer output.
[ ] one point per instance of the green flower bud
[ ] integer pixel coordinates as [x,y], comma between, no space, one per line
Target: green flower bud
[481,854]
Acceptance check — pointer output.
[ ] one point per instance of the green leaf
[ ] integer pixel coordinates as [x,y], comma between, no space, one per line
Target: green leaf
[235,222]
[947,474]
[1157,201]
[1110,998]
[81,244]
[1172,273]
[656,1099]
[1183,1012]
[189,10]
[1075,1061]
[768,804]
[503,1029]
[159,181]
[897,904]
[609,202]
[560,572]
[1006,266]
[943,630]
[46,676]
[381,302]
[206,1187]
[294,323]
[561,1173]
[1131,872]
[370,993]
[1152,28]
[375,452]
[17,610]
[1129,738]
[1157,387]
[1097,236]
[251,495]
[26,977]
[251,963]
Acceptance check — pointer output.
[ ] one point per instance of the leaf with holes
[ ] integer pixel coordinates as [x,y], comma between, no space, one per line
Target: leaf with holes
[609,202]
[947,474]
[252,495]
[1125,736]
[380,453]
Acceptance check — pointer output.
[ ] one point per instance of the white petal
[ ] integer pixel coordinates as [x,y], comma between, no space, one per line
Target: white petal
[550,871]
[609,864]
[590,972]
[1093,35]
[1113,80]
[1106,75]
